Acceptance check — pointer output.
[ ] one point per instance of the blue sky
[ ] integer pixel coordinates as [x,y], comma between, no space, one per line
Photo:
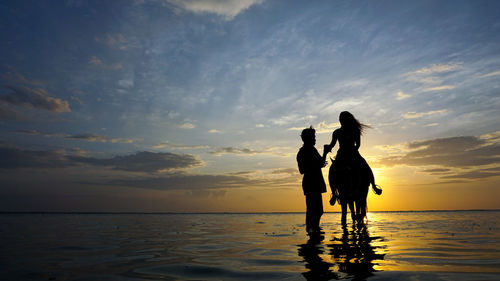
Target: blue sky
[172,100]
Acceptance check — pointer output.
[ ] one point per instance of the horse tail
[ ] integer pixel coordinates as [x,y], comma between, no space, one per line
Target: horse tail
[377,189]
[371,178]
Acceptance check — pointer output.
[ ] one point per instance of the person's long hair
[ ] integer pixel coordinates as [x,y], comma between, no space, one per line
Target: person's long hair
[350,123]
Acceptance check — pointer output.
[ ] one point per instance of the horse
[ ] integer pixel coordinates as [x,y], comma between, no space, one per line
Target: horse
[350,188]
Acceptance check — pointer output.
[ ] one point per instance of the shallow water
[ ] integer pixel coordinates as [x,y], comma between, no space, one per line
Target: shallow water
[462,245]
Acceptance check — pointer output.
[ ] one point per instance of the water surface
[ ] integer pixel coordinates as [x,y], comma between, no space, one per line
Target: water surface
[462,245]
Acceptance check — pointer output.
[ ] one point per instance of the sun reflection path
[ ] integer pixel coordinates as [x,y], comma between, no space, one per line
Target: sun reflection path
[348,253]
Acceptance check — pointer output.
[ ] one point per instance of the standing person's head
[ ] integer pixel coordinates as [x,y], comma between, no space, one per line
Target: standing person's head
[350,123]
[308,136]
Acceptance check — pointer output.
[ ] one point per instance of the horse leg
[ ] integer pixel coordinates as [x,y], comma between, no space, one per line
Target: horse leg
[343,205]
[362,209]
[358,211]
[361,203]
[353,211]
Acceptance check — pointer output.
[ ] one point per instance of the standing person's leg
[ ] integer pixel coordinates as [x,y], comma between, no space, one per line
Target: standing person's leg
[343,205]
[316,204]
[319,210]
[309,213]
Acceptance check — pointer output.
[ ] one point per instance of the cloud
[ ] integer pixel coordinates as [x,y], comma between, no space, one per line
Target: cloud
[437,170]
[324,127]
[427,80]
[8,112]
[402,96]
[214,131]
[186,182]
[144,161]
[465,152]
[292,118]
[146,170]
[187,126]
[413,115]
[432,75]
[225,8]
[291,171]
[491,138]
[491,74]
[475,174]
[245,151]
[179,146]
[85,137]
[341,105]
[198,182]
[435,68]
[321,128]
[94,137]
[14,76]
[439,88]
[34,98]
[234,150]
[95,61]
[13,158]
[126,83]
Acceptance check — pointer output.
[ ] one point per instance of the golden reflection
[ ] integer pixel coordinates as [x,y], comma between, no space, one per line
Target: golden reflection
[351,255]
[318,269]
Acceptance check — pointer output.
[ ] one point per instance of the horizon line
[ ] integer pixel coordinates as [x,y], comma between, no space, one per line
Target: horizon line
[216,213]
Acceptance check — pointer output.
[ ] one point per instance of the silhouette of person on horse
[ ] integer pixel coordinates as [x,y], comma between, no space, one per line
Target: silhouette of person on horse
[350,175]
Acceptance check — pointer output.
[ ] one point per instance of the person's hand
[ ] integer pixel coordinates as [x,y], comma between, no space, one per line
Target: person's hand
[327,147]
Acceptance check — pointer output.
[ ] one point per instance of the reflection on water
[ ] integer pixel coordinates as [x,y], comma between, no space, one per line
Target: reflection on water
[355,253]
[318,268]
[352,254]
[397,246]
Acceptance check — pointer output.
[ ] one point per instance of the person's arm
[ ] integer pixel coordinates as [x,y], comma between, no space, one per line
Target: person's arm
[327,148]
[300,162]
[333,142]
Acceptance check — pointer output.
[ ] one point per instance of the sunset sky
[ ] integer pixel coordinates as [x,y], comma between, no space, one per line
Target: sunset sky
[197,105]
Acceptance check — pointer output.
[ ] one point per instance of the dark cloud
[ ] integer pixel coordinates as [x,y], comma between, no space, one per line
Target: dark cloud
[94,137]
[34,98]
[144,161]
[187,182]
[13,158]
[182,181]
[475,174]
[470,156]
[9,113]
[84,137]
[457,152]
[437,170]
[146,166]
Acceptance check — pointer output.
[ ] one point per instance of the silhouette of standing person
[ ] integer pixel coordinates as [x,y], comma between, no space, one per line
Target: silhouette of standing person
[313,184]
